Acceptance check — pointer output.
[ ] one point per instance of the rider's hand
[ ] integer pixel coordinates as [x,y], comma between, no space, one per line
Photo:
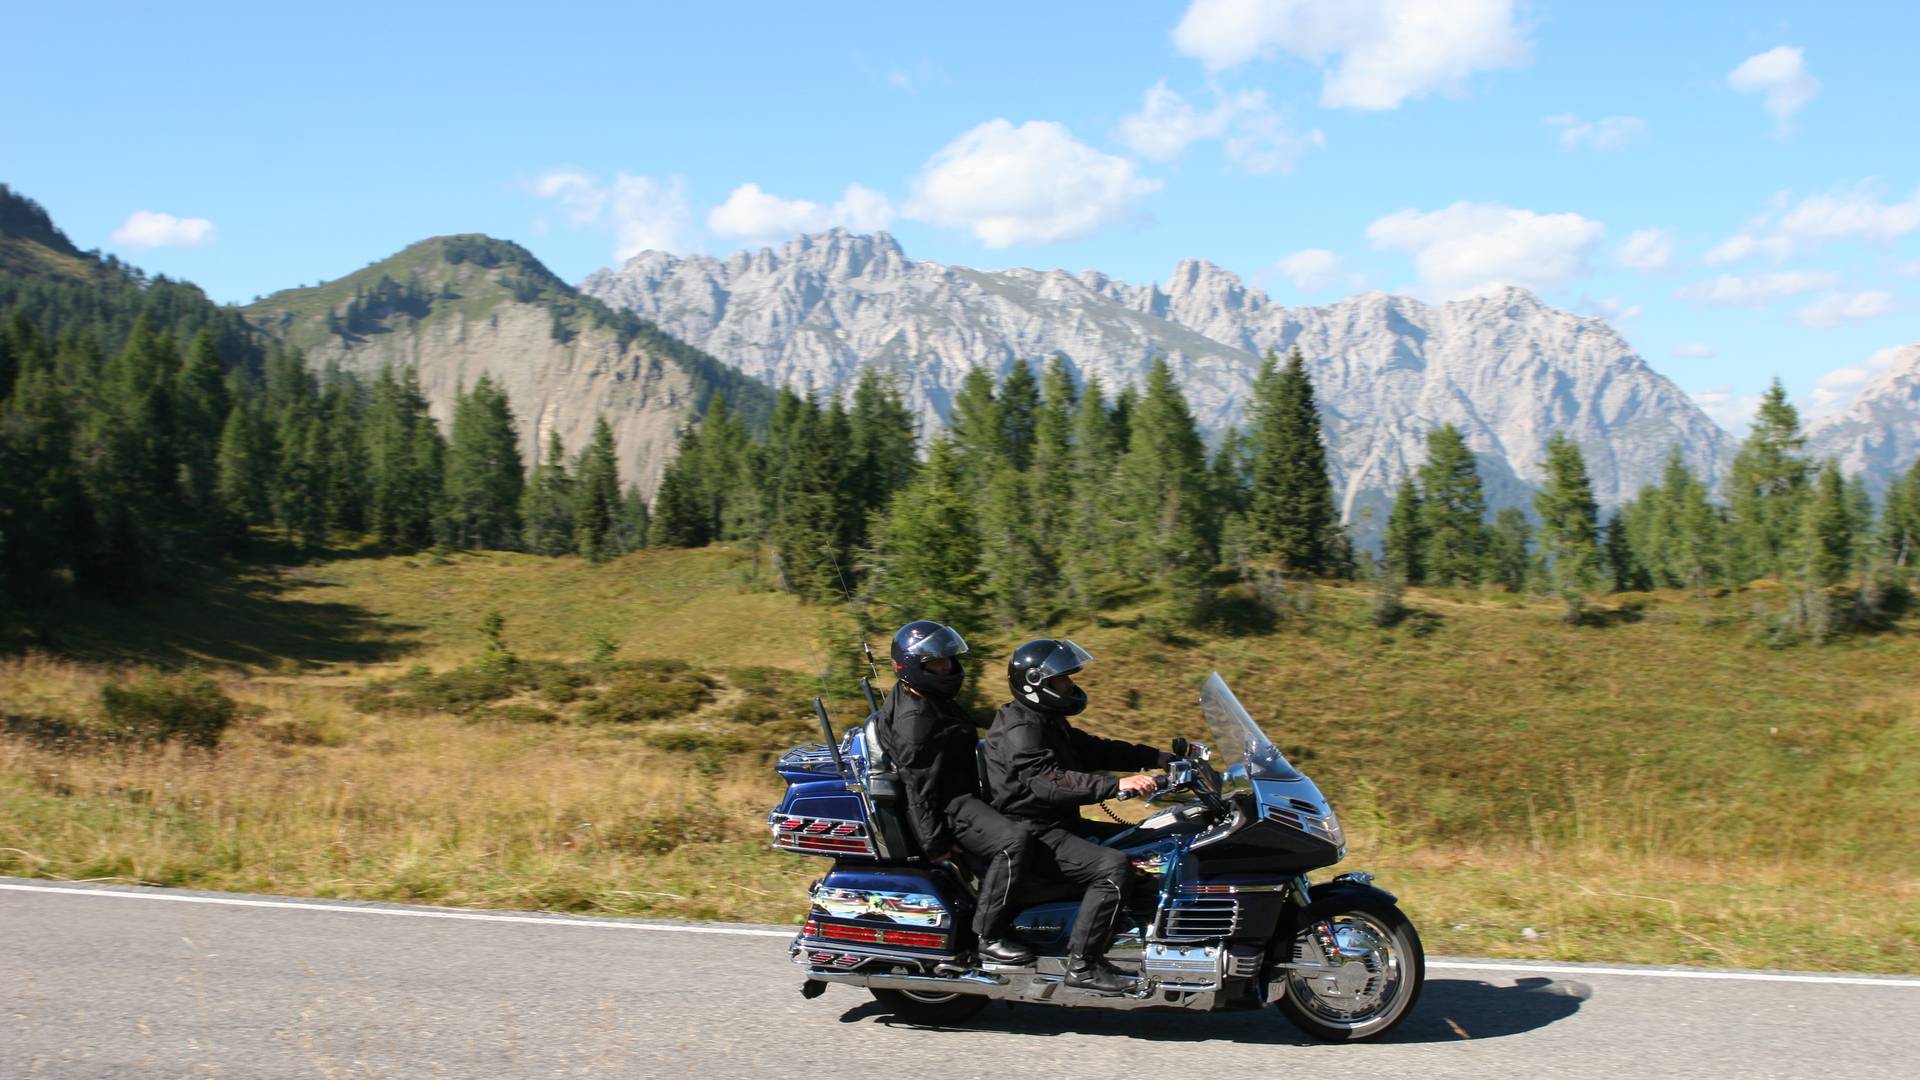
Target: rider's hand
[1139,784]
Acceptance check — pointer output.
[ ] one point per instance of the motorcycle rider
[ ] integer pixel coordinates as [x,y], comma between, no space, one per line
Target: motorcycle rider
[1041,773]
[931,739]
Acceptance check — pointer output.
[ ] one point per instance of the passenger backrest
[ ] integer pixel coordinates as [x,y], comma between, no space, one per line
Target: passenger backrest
[883,795]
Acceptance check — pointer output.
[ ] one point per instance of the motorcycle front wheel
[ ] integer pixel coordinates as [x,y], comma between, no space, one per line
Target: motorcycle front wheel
[1372,976]
[933,1010]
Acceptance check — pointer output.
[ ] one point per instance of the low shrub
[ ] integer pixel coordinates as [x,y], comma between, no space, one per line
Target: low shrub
[517,713]
[154,708]
[641,695]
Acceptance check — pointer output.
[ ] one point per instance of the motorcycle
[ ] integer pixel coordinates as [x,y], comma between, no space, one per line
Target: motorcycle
[1221,916]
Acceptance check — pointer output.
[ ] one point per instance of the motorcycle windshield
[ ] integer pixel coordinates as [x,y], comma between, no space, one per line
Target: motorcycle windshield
[1240,747]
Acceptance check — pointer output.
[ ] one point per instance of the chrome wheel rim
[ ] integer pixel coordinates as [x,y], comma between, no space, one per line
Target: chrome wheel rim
[929,999]
[1368,979]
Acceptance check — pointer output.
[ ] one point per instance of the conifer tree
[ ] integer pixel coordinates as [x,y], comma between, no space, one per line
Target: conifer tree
[1292,508]
[1405,544]
[546,507]
[1900,519]
[1019,401]
[1453,511]
[1827,529]
[1051,473]
[349,491]
[484,472]
[1087,531]
[809,527]
[634,522]
[243,463]
[1767,488]
[405,461]
[1569,521]
[681,516]
[1018,577]
[1162,496]
[978,435]
[596,493]
[1622,569]
[927,549]
[199,409]
[880,446]
[1509,549]
[1697,552]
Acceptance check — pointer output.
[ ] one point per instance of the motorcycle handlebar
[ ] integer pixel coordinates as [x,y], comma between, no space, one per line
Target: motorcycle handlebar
[1159,785]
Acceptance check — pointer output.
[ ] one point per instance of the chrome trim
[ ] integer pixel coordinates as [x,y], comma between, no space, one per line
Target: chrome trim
[1357,877]
[1027,987]
[1194,918]
[1302,894]
[831,836]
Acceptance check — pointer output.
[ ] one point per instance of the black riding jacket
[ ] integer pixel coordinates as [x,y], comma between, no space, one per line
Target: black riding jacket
[1042,768]
[931,743]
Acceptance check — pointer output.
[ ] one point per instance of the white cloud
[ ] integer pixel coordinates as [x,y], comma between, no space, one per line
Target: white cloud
[1166,124]
[1728,408]
[1317,270]
[1613,309]
[1838,308]
[149,229]
[1746,245]
[1909,268]
[1032,184]
[1256,137]
[1759,290]
[752,216]
[643,213]
[1606,133]
[1646,249]
[1695,350]
[1780,77]
[900,79]
[1377,53]
[1471,247]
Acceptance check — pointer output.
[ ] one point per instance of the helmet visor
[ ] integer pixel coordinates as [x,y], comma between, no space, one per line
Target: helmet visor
[1065,658]
[945,641]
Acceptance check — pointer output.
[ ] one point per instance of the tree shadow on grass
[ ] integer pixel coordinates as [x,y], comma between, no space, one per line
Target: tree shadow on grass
[1449,1010]
[242,620]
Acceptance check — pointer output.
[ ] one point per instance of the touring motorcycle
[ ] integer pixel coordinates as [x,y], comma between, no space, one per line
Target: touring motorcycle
[1221,916]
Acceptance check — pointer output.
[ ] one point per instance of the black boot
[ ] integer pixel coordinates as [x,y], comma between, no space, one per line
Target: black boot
[1094,974]
[1005,952]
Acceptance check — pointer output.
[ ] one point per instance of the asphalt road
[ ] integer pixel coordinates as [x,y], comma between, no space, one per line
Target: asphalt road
[101,982]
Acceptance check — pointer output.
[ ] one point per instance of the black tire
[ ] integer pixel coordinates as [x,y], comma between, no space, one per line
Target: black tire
[1320,1015]
[933,1010]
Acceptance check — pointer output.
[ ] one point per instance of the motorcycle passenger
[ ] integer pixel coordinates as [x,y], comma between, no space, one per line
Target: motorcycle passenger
[1041,770]
[931,740]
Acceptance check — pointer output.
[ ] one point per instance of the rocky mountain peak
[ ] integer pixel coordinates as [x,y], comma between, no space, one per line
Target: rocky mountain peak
[1506,368]
[1878,434]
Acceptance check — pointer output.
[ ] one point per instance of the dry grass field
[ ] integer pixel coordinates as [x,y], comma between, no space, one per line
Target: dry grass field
[1660,787]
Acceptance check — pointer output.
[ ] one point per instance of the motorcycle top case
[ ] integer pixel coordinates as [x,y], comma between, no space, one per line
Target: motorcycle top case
[820,813]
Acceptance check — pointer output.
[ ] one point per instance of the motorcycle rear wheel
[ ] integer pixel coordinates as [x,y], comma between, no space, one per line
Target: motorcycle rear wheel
[1382,968]
[934,1010]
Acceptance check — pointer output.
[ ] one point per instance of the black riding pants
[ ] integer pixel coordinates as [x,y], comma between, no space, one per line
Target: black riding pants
[1102,870]
[1001,843]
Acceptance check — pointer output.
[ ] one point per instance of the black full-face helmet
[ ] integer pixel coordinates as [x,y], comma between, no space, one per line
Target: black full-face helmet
[1034,663]
[923,640]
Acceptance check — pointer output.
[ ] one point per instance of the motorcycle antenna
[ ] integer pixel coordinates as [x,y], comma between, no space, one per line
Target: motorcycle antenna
[873,666]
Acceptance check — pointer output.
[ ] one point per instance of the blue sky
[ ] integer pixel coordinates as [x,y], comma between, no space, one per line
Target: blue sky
[1735,186]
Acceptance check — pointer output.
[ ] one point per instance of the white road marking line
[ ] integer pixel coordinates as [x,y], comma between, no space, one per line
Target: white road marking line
[1658,973]
[748,931]
[479,916]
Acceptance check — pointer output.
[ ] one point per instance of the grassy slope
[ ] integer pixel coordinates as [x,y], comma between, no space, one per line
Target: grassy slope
[1662,789]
